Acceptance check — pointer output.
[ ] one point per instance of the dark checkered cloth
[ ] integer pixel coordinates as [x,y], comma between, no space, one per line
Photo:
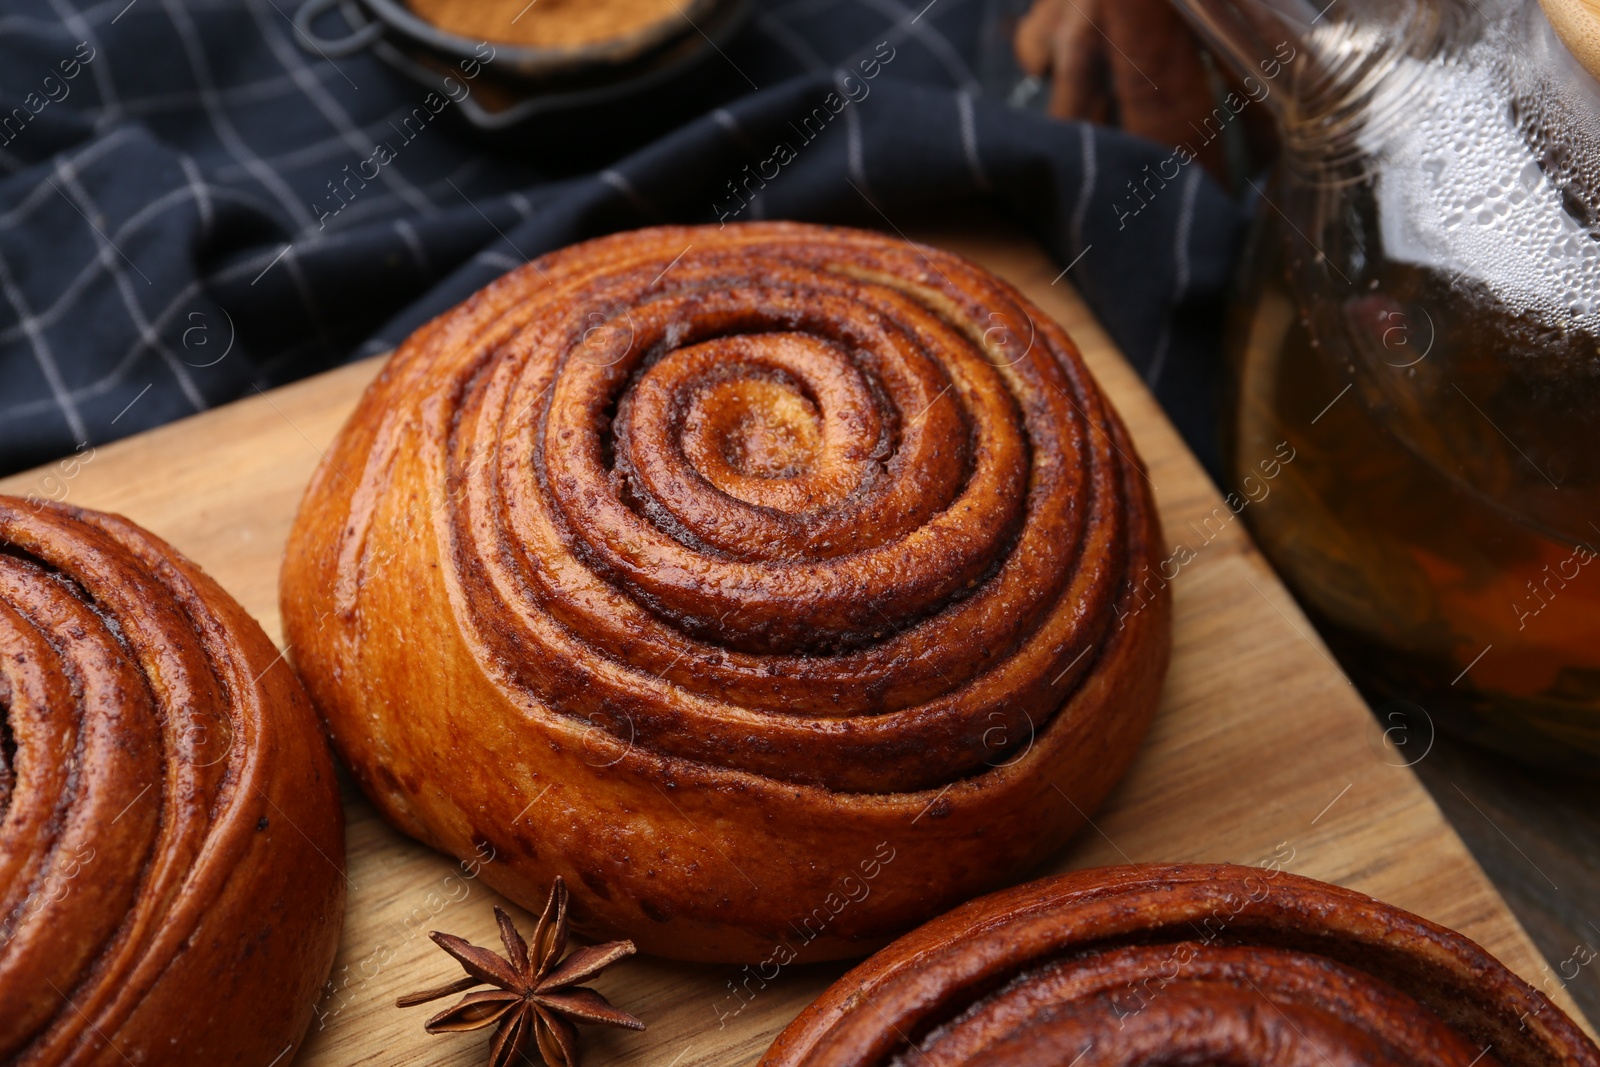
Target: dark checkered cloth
[169,241]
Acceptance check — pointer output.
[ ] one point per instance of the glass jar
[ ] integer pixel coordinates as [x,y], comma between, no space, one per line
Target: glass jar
[1418,331]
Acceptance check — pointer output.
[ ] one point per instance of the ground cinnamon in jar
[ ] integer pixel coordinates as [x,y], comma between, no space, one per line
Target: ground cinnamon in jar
[546,23]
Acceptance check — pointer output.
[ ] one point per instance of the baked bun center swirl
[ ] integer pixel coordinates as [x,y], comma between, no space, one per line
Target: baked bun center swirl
[803,466]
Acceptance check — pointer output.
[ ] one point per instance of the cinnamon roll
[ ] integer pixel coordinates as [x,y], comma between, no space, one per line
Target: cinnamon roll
[171,841]
[712,569]
[1192,963]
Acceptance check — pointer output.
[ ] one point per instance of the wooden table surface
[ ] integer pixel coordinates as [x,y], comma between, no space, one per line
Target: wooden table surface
[1262,748]
[1537,834]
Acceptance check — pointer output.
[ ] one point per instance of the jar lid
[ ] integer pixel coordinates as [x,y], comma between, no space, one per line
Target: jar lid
[1577,23]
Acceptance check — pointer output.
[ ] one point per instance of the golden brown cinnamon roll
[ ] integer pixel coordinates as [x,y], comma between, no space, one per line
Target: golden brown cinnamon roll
[1187,964]
[712,569]
[171,842]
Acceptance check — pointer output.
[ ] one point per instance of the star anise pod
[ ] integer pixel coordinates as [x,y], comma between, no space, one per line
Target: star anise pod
[536,1000]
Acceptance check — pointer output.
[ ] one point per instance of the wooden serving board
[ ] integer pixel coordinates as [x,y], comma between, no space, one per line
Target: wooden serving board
[1262,749]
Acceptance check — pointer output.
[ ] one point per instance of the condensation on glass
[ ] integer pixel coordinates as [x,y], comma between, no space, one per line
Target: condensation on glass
[1419,319]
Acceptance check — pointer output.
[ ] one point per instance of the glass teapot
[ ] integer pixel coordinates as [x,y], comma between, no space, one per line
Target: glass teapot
[1419,329]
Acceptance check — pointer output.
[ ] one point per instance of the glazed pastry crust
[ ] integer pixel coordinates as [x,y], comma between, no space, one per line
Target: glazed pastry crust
[1188,963]
[171,839]
[707,567]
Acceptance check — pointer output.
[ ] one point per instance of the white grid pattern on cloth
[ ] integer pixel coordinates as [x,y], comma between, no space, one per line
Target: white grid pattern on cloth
[41,193]
[245,172]
[371,205]
[222,125]
[1180,286]
[81,29]
[969,141]
[408,234]
[855,151]
[298,80]
[356,139]
[1080,209]
[41,351]
[66,301]
[111,257]
[906,24]
[619,181]
[197,186]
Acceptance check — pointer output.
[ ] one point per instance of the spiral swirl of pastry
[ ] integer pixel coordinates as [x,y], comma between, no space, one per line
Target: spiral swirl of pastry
[1182,964]
[676,550]
[171,888]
